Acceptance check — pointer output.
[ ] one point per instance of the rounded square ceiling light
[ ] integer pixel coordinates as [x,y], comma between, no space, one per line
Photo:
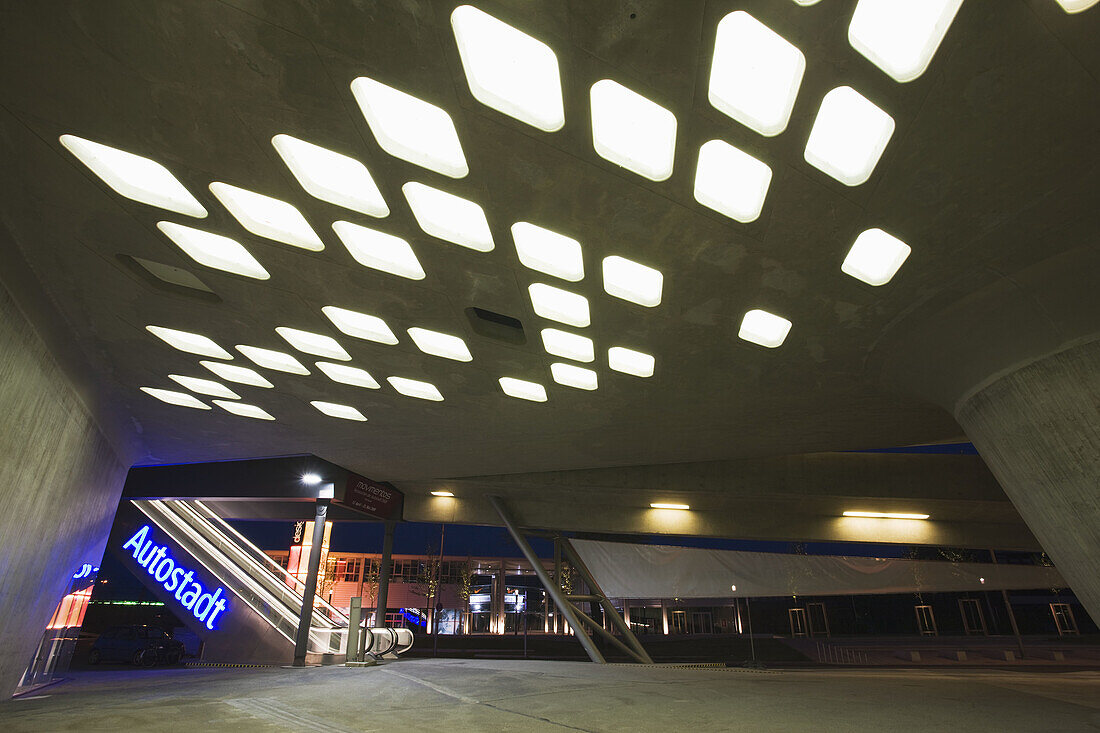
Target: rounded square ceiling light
[449,217]
[192,343]
[345,374]
[755,75]
[509,70]
[559,305]
[415,388]
[214,250]
[763,328]
[181,399]
[244,410]
[522,389]
[731,181]
[901,36]
[410,128]
[204,386]
[632,281]
[568,345]
[360,325]
[135,177]
[875,257]
[848,136]
[574,376]
[379,251]
[238,374]
[440,344]
[268,217]
[317,344]
[1076,6]
[631,131]
[548,252]
[344,412]
[271,359]
[331,177]
[629,361]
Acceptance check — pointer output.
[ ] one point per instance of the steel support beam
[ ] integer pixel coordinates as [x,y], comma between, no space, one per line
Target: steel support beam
[301,639]
[383,596]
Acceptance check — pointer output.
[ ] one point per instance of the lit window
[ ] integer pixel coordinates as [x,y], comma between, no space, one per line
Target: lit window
[415,388]
[631,281]
[574,376]
[238,374]
[268,217]
[379,251]
[214,250]
[509,70]
[440,344]
[192,343]
[630,362]
[175,398]
[848,136]
[548,252]
[137,178]
[331,177]
[568,345]
[731,181]
[313,343]
[410,128]
[631,131]
[360,325]
[205,386]
[244,410]
[449,217]
[1076,6]
[560,305]
[345,412]
[348,375]
[756,74]
[271,359]
[522,389]
[875,257]
[763,328]
[901,36]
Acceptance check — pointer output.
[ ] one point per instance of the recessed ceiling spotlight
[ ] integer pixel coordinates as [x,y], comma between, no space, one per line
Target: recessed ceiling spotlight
[763,328]
[807,3]
[755,75]
[317,344]
[666,505]
[574,376]
[901,36]
[442,493]
[848,136]
[1076,6]
[348,375]
[875,257]
[509,70]
[629,361]
[360,325]
[548,252]
[632,281]
[239,374]
[192,343]
[522,389]
[631,131]
[410,128]
[175,398]
[568,345]
[135,177]
[731,181]
[271,359]
[214,250]
[345,412]
[560,305]
[415,388]
[330,176]
[440,344]
[449,217]
[268,217]
[205,386]
[244,410]
[886,515]
[310,479]
[379,251]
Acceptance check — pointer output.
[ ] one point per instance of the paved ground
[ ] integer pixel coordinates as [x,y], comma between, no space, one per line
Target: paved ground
[455,696]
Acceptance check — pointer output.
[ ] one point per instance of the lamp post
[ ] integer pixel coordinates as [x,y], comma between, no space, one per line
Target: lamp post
[325,492]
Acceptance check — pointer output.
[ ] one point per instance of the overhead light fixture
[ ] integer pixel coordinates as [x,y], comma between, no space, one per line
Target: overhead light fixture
[632,281]
[629,361]
[344,412]
[175,398]
[560,305]
[204,386]
[378,250]
[574,376]
[331,177]
[239,374]
[763,328]
[807,3]
[665,505]
[271,359]
[348,375]
[1076,6]
[317,344]
[509,70]
[568,345]
[731,181]
[848,136]
[311,479]
[415,388]
[442,493]
[901,36]
[244,410]
[268,217]
[548,252]
[875,257]
[440,344]
[886,515]
[135,177]
[214,250]
[360,325]
[449,217]
[755,75]
[631,131]
[192,343]
[410,128]
[522,389]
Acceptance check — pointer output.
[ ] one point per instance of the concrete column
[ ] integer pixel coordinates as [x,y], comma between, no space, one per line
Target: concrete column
[384,576]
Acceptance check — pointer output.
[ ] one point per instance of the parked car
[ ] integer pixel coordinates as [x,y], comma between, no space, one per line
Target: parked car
[141,645]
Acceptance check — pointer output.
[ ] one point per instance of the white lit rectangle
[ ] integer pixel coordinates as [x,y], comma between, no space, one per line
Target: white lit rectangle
[415,388]
[886,515]
[360,325]
[449,217]
[629,361]
[268,217]
[238,374]
[632,281]
[348,375]
[522,389]
[731,181]
[344,412]
[764,328]
[548,252]
[181,399]
[330,176]
[574,376]
[631,131]
[665,505]
[205,386]
[568,345]
[901,36]
[317,344]
[244,410]
[214,250]
[378,250]
[560,305]
[192,343]
[271,359]
[849,136]
[875,257]
[440,344]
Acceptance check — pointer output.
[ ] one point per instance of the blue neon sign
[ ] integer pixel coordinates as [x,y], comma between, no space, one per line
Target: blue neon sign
[159,564]
[85,571]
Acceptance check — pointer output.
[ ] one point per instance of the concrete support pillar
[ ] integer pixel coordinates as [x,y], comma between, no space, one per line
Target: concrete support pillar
[384,576]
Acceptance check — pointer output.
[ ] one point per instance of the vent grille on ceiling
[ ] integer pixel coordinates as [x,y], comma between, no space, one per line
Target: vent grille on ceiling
[496,325]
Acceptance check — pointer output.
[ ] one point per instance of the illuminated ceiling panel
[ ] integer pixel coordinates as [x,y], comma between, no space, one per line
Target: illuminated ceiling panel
[560,305]
[763,328]
[379,251]
[574,376]
[360,325]
[345,412]
[181,399]
[548,252]
[629,361]
[848,136]
[631,131]
[449,217]
[415,388]
[901,36]
[568,345]
[238,374]
[632,281]
[214,250]
[271,359]
[205,386]
[440,344]
[522,389]
[268,217]
[348,375]
[331,177]
[244,410]
[317,344]
[192,343]
[731,181]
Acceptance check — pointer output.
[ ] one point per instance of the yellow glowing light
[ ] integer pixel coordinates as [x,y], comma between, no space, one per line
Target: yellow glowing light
[662,505]
[442,493]
[886,515]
